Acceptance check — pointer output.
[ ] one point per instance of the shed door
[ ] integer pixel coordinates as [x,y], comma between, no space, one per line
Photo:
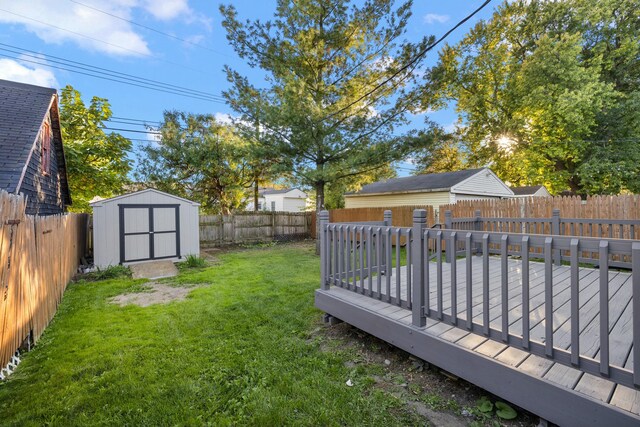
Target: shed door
[149,232]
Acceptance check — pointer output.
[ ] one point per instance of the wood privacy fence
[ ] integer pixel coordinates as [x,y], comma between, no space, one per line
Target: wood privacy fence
[38,257]
[247,227]
[401,216]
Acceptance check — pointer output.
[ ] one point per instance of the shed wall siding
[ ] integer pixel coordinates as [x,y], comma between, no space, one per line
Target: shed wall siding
[387,200]
[290,204]
[483,183]
[106,225]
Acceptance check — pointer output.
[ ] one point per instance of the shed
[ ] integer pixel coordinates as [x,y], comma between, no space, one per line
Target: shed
[433,189]
[144,226]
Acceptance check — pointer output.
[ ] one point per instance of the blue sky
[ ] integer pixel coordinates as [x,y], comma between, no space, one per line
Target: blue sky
[191,56]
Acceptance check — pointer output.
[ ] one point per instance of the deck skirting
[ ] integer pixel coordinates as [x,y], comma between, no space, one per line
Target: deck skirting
[551,401]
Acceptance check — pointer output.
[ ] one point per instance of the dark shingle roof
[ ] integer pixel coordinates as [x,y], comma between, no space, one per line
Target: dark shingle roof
[526,191]
[22,110]
[433,181]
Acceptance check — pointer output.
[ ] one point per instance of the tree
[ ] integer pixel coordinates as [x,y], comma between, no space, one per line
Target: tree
[334,192]
[199,159]
[97,162]
[547,93]
[327,112]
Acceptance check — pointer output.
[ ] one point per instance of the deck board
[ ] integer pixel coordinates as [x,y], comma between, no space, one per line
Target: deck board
[620,318]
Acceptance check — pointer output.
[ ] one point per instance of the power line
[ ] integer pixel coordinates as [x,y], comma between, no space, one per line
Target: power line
[147,27]
[131,130]
[104,71]
[102,41]
[413,60]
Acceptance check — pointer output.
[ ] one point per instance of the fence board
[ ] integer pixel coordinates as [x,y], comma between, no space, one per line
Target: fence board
[38,257]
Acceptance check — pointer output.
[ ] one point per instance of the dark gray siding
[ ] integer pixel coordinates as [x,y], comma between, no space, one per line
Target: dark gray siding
[43,192]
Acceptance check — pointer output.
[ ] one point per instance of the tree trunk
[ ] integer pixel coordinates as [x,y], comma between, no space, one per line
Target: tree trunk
[255,195]
[319,207]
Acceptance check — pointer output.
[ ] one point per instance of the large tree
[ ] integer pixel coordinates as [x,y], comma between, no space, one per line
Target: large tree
[337,78]
[97,162]
[200,159]
[547,92]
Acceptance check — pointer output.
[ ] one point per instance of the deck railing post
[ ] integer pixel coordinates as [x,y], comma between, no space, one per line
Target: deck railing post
[448,224]
[555,230]
[478,227]
[418,268]
[387,215]
[635,296]
[323,219]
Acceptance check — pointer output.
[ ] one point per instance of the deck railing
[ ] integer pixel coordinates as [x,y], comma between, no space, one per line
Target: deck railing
[421,277]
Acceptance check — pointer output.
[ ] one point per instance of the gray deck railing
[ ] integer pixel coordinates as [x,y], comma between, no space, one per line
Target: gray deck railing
[352,256]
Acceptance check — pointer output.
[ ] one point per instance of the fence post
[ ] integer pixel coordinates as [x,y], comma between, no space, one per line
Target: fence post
[555,230]
[448,224]
[418,317]
[323,220]
[388,215]
[478,227]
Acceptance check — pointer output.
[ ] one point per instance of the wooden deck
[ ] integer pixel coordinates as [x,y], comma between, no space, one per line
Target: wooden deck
[557,392]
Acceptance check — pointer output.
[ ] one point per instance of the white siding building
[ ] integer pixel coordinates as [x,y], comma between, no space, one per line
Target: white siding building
[285,200]
[144,226]
[531,191]
[432,189]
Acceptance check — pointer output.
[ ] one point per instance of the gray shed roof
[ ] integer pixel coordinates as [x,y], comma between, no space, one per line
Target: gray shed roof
[526,190]
[22,110]
[264,191]
[429,182]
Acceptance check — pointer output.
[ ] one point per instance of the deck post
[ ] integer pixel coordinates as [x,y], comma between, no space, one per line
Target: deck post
[418,266]
[448,224]
[387,215]
[478,227]
[555,230]
[323,219]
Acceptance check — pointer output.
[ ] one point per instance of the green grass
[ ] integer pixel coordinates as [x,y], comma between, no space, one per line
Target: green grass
[241,350]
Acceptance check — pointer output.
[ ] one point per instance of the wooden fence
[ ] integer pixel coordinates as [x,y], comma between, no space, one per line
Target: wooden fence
[402,216]
[247,227]
[38,257]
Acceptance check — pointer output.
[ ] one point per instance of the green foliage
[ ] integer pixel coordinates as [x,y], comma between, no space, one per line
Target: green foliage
[547,93]
[199,159]
[193,261]
[505,411]
[484,414]
[484,405]
[111,272]
[324,113]
[97,162]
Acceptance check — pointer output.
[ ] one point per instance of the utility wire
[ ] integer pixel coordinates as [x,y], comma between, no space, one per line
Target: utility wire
[95,69]
[131,130]
[147,27]
[413,61]
[102,41]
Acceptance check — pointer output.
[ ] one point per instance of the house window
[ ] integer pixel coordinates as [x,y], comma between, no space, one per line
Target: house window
[273,206]
[46,148]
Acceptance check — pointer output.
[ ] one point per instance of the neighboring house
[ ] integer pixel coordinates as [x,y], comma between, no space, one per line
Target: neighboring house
[32,158]
[285,200]
[531,191]
[432,189]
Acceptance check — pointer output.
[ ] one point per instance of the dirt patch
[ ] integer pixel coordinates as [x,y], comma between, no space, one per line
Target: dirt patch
[440,397]
[153,270]
[155,293]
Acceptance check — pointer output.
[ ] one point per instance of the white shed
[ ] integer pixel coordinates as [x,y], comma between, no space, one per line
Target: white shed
[143,226]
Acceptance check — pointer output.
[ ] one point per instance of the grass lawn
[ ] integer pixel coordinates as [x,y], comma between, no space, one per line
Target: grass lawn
[242,349]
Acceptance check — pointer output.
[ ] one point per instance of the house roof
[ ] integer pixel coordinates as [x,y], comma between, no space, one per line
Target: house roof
[529,190]
[100,202]
[265,191]
[23,108]
[429,182]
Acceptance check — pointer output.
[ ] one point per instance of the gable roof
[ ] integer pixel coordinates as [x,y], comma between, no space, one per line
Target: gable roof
[529,190]
[100,202]
[23,109]
[427,183]
[267,191]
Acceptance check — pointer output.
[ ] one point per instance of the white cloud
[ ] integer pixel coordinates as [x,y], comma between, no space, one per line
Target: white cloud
[431,18]
[91,29]
[13,70]
[166,10]
[224,118]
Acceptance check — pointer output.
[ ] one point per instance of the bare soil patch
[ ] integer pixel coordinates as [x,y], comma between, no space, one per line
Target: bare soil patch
[442,398]
[155,293]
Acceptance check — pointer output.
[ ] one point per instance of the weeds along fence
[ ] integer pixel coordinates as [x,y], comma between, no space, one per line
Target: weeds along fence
[251,227]
[38,257]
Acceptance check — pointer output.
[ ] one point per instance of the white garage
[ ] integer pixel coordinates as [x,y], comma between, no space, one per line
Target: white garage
[144,226]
